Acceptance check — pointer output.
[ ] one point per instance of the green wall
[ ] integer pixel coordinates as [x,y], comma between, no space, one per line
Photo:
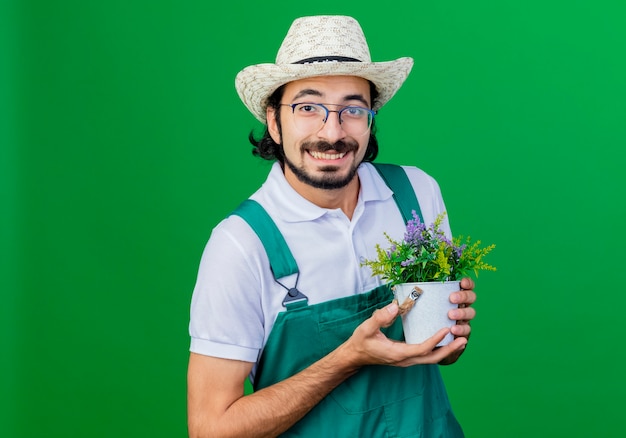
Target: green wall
[124,142]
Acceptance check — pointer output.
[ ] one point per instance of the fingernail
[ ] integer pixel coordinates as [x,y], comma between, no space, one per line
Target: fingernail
[392,308]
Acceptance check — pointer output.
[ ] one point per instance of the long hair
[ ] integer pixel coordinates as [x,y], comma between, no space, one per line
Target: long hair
[268,149]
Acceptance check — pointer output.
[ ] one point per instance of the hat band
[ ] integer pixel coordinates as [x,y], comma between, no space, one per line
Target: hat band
[326,59]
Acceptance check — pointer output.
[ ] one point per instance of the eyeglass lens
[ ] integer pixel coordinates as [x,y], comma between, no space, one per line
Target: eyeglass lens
[310,117]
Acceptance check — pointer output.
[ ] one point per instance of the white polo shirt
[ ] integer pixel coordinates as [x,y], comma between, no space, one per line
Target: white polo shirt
[236,298]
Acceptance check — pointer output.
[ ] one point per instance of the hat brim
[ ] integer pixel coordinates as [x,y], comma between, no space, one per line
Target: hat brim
[256,83]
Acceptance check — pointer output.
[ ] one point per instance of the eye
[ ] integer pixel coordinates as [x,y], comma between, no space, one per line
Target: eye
[355,112]
[308,108]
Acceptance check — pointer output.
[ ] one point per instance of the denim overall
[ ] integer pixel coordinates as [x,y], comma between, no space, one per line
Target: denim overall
[378,401]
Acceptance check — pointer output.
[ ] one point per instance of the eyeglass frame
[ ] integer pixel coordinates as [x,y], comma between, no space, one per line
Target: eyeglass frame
[339,112]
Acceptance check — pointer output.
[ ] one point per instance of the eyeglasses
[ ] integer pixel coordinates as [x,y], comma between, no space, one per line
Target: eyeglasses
[311,117]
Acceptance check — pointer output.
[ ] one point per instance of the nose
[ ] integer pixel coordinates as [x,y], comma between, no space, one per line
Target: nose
[332,130]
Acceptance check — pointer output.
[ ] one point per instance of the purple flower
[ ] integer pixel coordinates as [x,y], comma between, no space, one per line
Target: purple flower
[414,231]
[406,263]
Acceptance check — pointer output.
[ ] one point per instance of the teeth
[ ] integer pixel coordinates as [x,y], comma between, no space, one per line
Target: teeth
[323,156]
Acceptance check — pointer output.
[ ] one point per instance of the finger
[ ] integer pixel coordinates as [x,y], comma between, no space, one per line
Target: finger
[384,317]
[462,314]
[437,355]
[467,283]
[427,346]
[462,329]
[466,297]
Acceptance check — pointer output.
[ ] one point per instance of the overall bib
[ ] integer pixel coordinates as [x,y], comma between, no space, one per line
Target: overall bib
[378,401]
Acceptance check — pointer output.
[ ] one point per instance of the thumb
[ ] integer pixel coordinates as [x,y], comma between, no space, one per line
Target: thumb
[386,316]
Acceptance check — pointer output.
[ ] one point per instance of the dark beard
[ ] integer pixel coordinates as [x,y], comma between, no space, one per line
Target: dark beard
[328,181]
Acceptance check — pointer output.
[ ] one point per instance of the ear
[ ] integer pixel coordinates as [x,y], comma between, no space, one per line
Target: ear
[272,126]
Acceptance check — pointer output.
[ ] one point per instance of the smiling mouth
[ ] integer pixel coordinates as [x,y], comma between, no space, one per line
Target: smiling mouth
[326,156]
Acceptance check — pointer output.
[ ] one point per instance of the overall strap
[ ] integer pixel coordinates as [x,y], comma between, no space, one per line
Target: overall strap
[281,259]
[403,192]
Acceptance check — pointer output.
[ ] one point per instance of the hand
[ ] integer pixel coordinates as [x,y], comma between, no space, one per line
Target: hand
[369,346]
[463,315]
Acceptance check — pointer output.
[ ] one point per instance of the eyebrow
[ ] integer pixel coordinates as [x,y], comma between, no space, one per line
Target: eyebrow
[316,93]
[307,92]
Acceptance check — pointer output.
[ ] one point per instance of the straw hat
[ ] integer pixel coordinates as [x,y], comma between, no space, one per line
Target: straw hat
[320,46]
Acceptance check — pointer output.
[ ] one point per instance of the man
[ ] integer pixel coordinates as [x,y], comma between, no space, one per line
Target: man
[282,296]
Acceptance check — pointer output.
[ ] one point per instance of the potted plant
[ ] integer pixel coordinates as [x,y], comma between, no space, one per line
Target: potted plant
[422,270]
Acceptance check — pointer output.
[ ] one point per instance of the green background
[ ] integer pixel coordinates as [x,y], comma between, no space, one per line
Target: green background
[124,142]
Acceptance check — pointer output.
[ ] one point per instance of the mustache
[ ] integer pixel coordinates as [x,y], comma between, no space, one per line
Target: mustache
[324,146]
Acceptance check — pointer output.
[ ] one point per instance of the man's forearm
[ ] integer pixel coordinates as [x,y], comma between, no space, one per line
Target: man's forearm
[273,410]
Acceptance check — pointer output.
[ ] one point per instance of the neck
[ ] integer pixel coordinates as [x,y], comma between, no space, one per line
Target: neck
[344,198]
